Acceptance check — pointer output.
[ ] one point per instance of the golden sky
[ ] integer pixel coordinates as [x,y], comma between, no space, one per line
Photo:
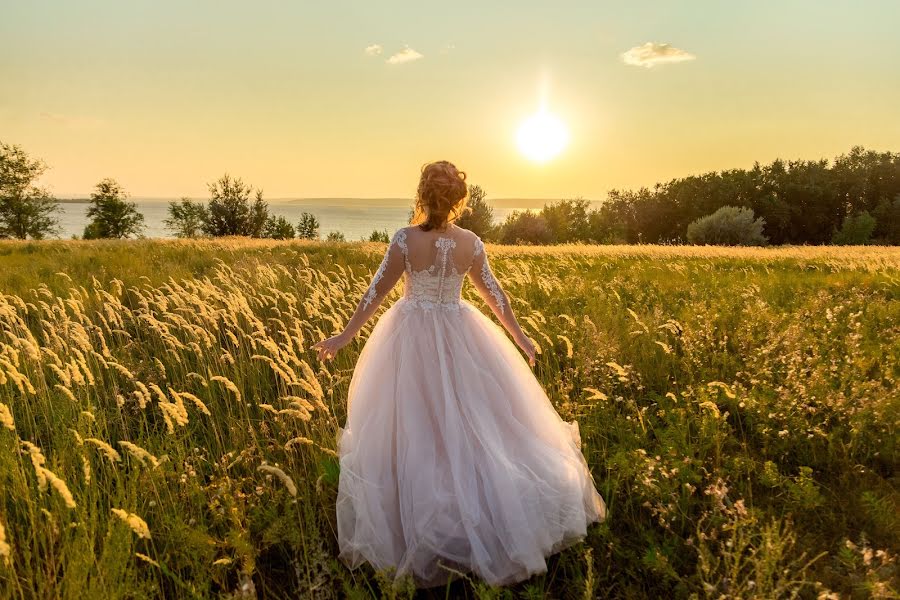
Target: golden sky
[348,99]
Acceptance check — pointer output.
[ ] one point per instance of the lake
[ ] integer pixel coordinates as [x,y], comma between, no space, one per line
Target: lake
[356,219]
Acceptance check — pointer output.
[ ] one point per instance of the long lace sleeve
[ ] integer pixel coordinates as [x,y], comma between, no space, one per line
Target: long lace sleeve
[389,272]
[485,282]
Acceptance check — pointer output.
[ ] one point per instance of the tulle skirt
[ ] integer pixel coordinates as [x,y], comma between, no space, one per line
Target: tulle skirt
[452,454]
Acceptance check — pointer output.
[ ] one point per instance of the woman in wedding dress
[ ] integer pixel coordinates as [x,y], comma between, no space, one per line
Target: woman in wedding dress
[452,455]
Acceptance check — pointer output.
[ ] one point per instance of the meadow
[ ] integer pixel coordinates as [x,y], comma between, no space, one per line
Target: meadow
[165,430]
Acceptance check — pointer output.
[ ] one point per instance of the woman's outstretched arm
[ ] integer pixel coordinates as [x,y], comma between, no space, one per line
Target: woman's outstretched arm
[482,277]
[389,272]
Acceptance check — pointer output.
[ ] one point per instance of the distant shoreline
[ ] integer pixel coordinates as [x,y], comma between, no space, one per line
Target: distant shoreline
[338,201]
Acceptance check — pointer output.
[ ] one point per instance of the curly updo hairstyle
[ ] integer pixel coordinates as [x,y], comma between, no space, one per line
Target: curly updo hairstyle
[441,196]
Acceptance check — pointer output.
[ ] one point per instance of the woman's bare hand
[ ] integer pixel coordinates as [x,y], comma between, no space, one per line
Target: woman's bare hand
[328,348]
[524,342]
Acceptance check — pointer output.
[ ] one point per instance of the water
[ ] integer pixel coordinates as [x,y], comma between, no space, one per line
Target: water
[355,219]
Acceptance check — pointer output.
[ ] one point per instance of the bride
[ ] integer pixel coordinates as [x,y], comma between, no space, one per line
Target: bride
[453,459]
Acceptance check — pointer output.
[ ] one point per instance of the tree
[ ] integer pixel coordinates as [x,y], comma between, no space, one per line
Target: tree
[525,227]
[278,228]
[567,220]
[112,216]
[335,236]
[728,226]
[308,227]
[380,236]
[887,216]
[478,216]
[186,218]
[231,211]
[856,230]
[26,210]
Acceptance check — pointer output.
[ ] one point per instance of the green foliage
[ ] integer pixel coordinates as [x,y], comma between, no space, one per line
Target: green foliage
[479,216]
[111,214]
[887,217]
[380,236]
[856,230]
[567,220]
[525,227]
[186,218]
[728,226]
[308,227]
[802,202]
[231,212]
[335,236]
[26,210]
[278,228]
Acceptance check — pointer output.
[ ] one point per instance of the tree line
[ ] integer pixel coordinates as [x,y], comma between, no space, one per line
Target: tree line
[854,199]
[28,211]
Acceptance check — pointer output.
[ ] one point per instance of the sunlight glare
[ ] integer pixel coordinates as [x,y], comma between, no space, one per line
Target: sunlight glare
[542,136]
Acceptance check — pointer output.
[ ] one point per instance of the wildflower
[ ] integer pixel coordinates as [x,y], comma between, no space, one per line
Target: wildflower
[595,394]
[724,387]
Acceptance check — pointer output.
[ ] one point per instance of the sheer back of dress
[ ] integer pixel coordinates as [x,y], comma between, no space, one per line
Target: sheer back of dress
[436,263]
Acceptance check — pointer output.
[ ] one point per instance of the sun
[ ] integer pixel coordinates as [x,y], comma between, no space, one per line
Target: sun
[542,136]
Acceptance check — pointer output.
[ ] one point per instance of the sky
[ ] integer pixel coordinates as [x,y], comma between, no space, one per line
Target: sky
[349,99]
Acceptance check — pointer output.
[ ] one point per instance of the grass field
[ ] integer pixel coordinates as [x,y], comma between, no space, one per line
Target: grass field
[165,430]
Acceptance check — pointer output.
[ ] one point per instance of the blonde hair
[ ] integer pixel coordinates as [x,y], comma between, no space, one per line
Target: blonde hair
[441,195]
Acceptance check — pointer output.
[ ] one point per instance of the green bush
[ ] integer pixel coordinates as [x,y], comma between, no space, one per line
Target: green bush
[186,218]
[887,216]
[278,228]
[728,226]
[380,236]
[525,227]
[478,216]
[111,214]
[856,230]
[231,211]
[308,227]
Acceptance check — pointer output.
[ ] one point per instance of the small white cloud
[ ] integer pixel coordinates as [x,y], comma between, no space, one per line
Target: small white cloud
[448,48]
[652,54]
[72,122]
[404,56]
[373,50]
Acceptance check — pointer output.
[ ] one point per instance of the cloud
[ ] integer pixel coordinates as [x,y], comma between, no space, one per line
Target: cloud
[72,122]
[404,56]
[652,54]
[373,50]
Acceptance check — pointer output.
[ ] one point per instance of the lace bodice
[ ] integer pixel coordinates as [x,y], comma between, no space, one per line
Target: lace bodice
[438,285]
[449,258]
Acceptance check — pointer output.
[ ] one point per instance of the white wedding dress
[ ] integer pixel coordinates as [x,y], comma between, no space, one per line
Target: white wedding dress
[452,454]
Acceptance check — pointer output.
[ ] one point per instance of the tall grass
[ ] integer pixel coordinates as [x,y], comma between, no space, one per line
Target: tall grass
[165,430]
